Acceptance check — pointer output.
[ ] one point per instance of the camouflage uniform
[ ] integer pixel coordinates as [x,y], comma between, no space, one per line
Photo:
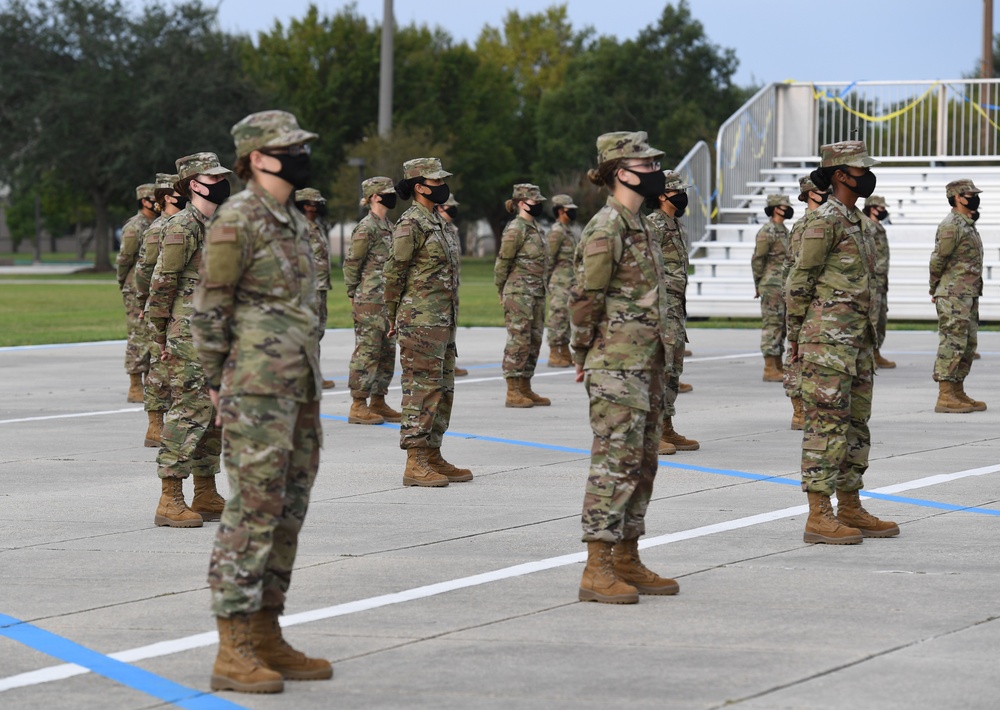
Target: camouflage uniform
[137,345]
[956,283]
[421,298]
[191,441]
[256,331]
[832,315]
[620,335]
[768,264]
[321,256]
[519,274]
[881,271]
[562,243]
[374,356]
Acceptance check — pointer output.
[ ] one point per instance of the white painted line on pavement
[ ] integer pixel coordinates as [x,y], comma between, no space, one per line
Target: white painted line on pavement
[70,416]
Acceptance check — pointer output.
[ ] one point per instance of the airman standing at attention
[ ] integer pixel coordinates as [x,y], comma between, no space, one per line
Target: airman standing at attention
[190,443]
[956,282]
[137,345]
[875,211]
[374,357]
[421,297]
[832,314]
[768,264]
[519,275]
[311,203]
[449,213]
[256,327]
[813,197]
[562,246]
[666,210]
[621,333]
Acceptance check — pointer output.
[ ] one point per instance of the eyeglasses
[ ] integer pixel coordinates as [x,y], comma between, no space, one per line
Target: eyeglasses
[292,150]
[653,166]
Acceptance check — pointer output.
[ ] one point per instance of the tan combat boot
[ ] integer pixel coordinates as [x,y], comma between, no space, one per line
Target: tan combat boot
[135,390]
[460,371]
[154,432]
[361,414]
[630,569]
[665,448]
[683,387]
[378,406]
[851,513]
[672,437]
[535,398]
[515,397]
[172,511]
[822,527]
[278,655]
[453,473]
[329,384]
[207,502]
[237,665]
[418,470]
[599,583]
[798,414]
[882,363]
[772,371]
[948,401]
[559,356]
[687,352]
[977,406]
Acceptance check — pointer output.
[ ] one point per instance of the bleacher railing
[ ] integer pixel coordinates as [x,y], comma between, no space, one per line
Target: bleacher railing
[696,170]
[746,144]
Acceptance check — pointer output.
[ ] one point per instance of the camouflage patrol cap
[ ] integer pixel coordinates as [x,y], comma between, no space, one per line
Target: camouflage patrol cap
[674,181]
[776,200]
[429,168]
[806,184]
[165,181]
[145,191]
[564,201]
[853,154]
[377,186]
[268,129]
[527,191]
[625,144]
[960,187]
[451,201]
[200,164]
[875,201]
[310,194]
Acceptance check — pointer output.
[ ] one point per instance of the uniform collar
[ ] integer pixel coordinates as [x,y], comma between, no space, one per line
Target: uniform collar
[854,215]
[279,211]
[632,219]
[198,215]
[967,220]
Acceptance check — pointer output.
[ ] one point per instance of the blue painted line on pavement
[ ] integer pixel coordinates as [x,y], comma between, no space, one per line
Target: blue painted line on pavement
[128,675]
[702,469]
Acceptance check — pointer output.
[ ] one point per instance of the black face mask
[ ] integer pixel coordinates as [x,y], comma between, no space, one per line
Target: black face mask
[882,215]
[864,185]
[438,194]
[787,212]
[972,203]
[181,201]
[534,210]
[975,216]
[650,184]
[822,197]
[388,200]
[680,201]
[295,169]
[570,215]
[217,192]
[452,212]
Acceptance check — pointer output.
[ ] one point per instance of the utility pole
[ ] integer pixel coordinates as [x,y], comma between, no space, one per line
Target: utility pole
[385,71]
[986,70]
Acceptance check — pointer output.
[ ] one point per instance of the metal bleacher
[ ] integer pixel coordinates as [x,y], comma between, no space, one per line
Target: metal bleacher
[771,142]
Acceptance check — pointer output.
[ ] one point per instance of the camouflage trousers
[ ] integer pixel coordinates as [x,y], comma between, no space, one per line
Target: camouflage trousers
[374,352]
[772,315]
[524,316]
[672,373]
[271,449]
[322,311]
[883,317]
[191,442]
[156,386]
[792,377]
[623,460]
[835,438]
[558,318]
[137,345]
[958,337]
[427,357]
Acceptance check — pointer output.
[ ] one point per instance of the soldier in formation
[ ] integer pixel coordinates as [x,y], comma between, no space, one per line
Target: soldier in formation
[621,334]
[421,298]
[311,203]
[768,263]
[256,327]
[562,242]
[665,212]
[374,356]
[137,345]
[519,274]
[876,211]
[956,283]
[832,304]
[449,213]
[190,442]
